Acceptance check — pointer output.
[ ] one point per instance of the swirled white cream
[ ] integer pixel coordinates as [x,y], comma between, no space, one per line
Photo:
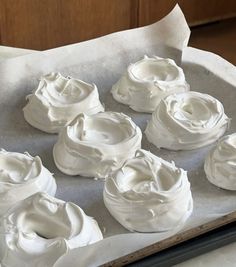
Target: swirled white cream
[58,100]
[95,145]
[148,81]
[187,121]
[21,176]
[40,229]
[148,194]
[220,164]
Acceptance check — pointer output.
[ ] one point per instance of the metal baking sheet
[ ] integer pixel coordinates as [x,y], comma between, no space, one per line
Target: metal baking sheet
[183,246]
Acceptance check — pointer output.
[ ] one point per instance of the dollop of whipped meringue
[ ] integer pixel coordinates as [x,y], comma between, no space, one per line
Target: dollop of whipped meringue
[148,81]
[58,100]
[220,164]
[40,229]
[148,194]
[187,121]
[21,176]
[95,145]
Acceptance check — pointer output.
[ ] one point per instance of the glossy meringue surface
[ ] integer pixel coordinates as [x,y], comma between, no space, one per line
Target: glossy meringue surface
[21,176]
[220,164]
[95,145]
[58,100]
[148,81]
[187,121]
[41,228]
[148,194]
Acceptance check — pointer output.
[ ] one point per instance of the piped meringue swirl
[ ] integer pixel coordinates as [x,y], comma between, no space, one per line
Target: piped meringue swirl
[40,229]
[148,194]
[148,81]
[95,145]
[187,121]
[220,164]
[58,100]
[21,176]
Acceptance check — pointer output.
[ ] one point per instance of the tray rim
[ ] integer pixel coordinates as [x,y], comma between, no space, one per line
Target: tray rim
[173,240]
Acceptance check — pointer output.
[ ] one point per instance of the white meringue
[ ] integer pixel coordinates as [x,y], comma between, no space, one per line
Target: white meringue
[21,176]
[95,145]
[58,100]
[147,81]
[187,121]
[220,164]
[148,194]
[40,229]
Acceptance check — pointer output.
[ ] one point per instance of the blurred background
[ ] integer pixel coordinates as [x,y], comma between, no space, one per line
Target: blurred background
[45,24]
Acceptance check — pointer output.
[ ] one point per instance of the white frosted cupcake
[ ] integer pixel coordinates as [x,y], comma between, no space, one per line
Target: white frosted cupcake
[95,145]
[40,229]
[148,194]
[21,176]
[220,164]
[148,81]
[58,100]
[187,121]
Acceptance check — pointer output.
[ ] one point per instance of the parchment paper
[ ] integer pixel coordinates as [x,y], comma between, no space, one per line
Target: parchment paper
[12,52]
[102,61]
